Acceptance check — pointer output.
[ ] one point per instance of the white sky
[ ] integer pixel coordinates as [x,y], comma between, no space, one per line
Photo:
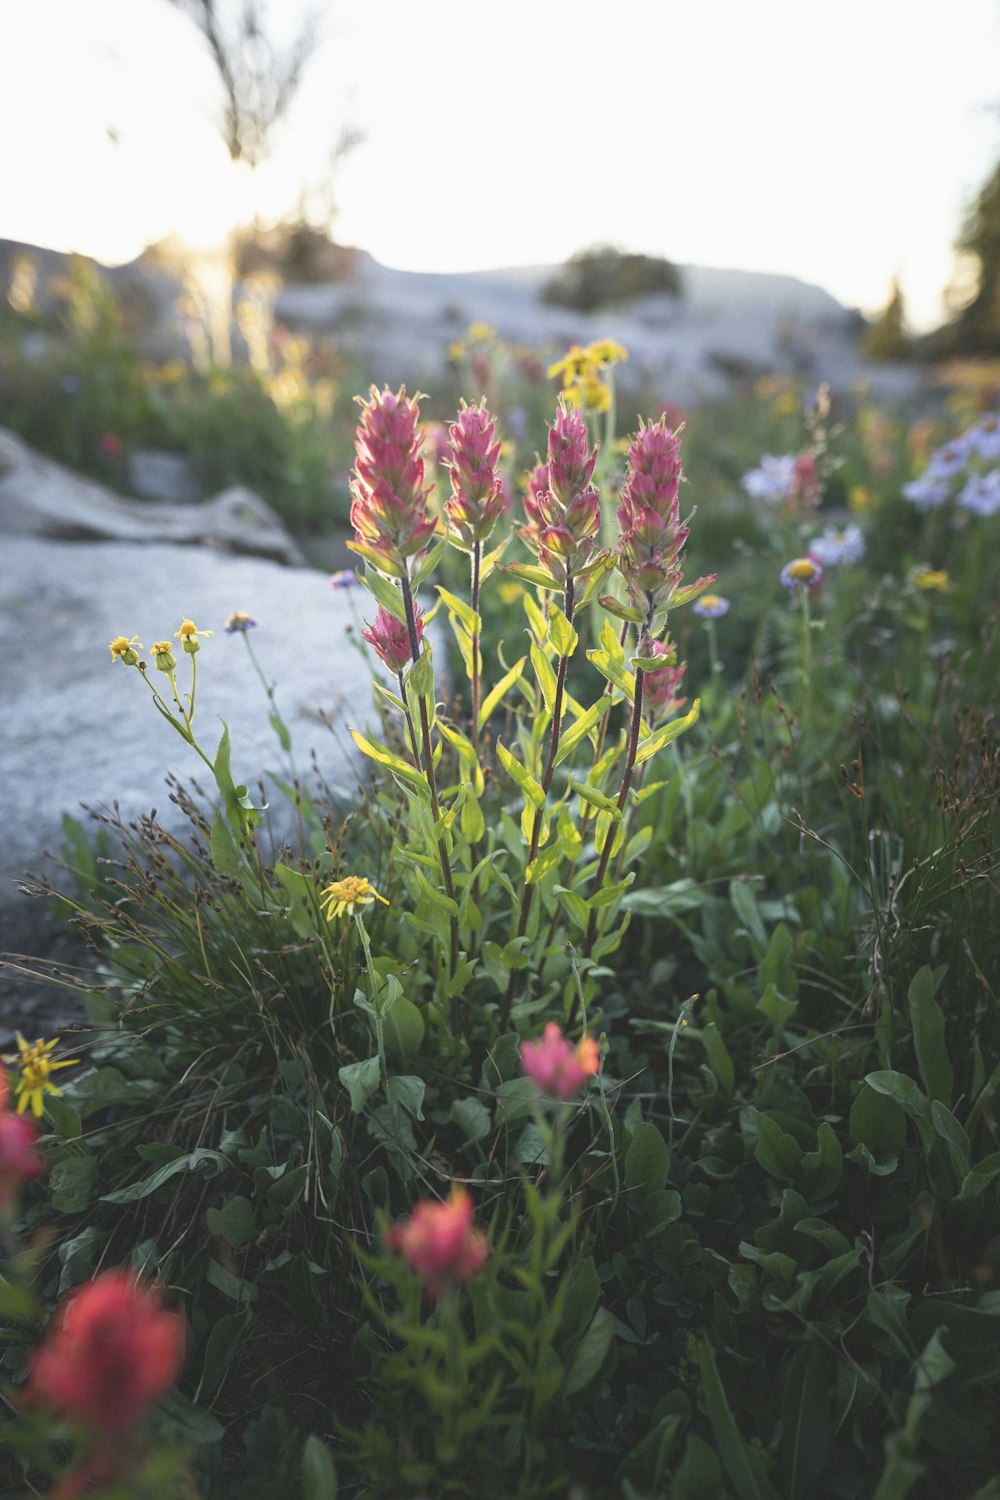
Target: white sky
[838,142]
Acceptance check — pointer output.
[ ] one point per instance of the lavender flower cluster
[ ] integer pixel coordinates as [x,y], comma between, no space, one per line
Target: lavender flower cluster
[967,457]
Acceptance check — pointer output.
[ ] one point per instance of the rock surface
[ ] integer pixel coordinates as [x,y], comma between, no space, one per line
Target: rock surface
[79,729]
[41,498]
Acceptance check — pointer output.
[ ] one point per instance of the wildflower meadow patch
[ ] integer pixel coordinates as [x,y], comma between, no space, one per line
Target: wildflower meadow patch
[600,1100]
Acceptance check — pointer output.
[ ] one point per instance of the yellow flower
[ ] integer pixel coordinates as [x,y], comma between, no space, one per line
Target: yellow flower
[607,352]
[188,636]
[342,896]
[163,656]
[859,499]
[456,350]
[571,366]
[481,333]
[932,578]
[125,650]
[36,1064]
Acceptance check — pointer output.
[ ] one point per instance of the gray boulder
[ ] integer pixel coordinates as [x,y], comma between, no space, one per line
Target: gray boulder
[80,729]
[41,498]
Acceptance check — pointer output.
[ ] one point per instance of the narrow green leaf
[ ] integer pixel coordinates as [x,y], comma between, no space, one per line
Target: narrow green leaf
[495,694]
[927,1020]
[584,725]
[531,788]
[319,1474]
[471,622]
[740,1461]
[666,734]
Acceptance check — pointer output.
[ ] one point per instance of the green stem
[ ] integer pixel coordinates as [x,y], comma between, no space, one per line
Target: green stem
[477,562]
[428,755]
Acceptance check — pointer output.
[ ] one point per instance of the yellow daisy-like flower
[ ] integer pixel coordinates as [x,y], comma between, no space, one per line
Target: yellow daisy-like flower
[35,1064]
[188,636]
[342,896]
[571,366]
[126,650]
[859,499]
[481,333]
[607,352]
[932,579]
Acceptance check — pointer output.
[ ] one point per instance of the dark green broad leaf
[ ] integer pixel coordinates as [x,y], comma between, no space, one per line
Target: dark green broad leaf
[646,1160]
[360,1079]
[220,1350]
[70,1183]
[908,1096]
[590,1353]
[877,1121]
[234,1222]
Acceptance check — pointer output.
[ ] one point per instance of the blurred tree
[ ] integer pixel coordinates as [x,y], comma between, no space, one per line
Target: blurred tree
[604,275]
[887,337]
[977,327]
[259,80]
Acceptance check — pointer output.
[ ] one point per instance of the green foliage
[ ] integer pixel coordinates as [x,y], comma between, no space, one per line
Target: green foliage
[757,1256]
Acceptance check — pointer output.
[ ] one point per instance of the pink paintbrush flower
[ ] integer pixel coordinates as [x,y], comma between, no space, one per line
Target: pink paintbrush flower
[477,498]
[559,1068]
[388,489]
[391,639]
[439,1244]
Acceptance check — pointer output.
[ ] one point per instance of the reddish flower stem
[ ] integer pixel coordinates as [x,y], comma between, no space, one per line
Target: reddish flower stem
[633,746]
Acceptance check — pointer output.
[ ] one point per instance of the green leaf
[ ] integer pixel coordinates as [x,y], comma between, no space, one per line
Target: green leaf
[596,798]
[225,851]
[220,1350]
[531,788]
[646,1160]
[616,672]
[740,1461]
[906,1094]
[394,763]
[70,1183]
[877,1121]
[386,593]
[495,694]
[718,1056]
[234,1222]
[360,1079]
[561,633]
[303,899]
[407,1091]
[805,1421]
[591,1352]
[666,900]
[744,904]
[666,734]
[319,1475]
[544,675]
[472,1117]
[778,1153]
[927,1020]
[207,1163]
[471,622]
[699,1475]
[404,1028]
[622,611]
[584,725]
[425,567]
[528,574]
